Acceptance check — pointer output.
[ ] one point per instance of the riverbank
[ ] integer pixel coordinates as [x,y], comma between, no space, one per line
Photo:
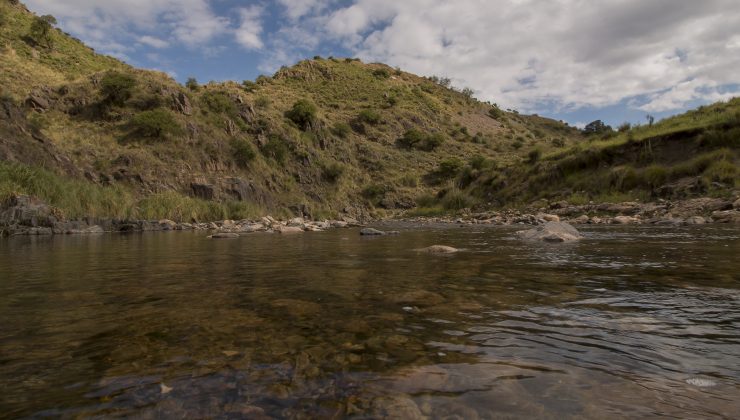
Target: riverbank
[24,215]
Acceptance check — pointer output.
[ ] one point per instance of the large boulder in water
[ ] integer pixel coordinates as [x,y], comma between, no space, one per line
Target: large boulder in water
[551,232]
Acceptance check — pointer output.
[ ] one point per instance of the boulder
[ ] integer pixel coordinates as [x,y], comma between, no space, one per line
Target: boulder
[551,232]
[28,211]
[439,249]
[726,216]
[548,217]
[204,191]
[581,220]
[696,220]
[736,204]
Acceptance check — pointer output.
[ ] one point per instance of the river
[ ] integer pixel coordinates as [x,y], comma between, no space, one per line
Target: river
[629,322]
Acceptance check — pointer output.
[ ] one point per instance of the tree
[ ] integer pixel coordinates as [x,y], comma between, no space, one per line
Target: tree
[650,119]
[596,127]
[117,88]
[41,29]
[157,123]
[192,84]
[467,92]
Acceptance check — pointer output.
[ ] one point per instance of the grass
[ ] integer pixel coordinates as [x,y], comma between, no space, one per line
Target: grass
[77,199]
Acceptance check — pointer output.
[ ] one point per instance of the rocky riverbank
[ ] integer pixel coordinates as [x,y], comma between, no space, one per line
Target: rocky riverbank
[24,215]
[673,213]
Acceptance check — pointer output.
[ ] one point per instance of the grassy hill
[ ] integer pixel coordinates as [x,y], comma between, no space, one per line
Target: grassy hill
[328,136]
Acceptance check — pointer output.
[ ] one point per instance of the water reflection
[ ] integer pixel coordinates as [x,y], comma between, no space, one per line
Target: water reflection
[630,322]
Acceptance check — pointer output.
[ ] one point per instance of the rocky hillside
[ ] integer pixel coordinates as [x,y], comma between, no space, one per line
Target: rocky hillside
[93,136]
[325,136]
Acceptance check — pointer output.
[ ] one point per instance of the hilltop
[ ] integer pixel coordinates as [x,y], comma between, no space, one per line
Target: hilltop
[93,136]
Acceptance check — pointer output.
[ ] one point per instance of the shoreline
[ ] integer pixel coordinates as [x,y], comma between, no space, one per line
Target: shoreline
[27,216]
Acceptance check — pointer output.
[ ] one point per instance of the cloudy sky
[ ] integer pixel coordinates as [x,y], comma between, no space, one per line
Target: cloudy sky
[576,60]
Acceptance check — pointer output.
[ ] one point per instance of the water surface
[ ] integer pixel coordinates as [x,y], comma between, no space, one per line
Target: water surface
[630,322]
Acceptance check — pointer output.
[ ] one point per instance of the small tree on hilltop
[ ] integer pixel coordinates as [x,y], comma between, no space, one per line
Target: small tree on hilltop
[596,127]
[41,29]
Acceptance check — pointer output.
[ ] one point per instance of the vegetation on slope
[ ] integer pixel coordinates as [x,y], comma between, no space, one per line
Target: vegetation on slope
[323,137]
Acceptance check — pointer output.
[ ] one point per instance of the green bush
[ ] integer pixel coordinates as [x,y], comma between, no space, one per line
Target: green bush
[157,123]
[332,172]
[722,171]
[381,73]
[415,139]
[41,29]
[654,175]
[219,102]
[495,113]
[303,113]
[117,87]
[192,84]
[456,200]
[262,102]
[275,148]
[243,152]
[369,116]
[249,86]
[449,168]
[341,129]
[479,162]
[534,155]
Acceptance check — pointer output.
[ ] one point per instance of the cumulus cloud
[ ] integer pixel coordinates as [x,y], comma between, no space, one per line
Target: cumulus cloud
[569,53]
[295,9]
[191,22]
[153,42]
[248,33]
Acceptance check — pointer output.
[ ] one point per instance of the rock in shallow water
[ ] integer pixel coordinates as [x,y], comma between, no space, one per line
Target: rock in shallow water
[376,232]
[551,232]
[439,249]
[224,236]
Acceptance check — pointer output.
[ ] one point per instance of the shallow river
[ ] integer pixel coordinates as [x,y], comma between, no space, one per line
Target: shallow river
[630,322]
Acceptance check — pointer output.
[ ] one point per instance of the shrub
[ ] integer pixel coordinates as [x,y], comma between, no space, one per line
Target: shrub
[275,148]
[479,162]
[219,102]
[722,171]
[518,143]
[449,168]
[303,113]
[262,102]
[374,191]
[41,29]
[243,152]
[415,139]
[534,155]
[192,84]
[654,175]
[249,86]
[157,123]
[495,113]
[456,200]
[332,172]
[625,126]
[341,129]
[117,87]
[381,73]
[369,116]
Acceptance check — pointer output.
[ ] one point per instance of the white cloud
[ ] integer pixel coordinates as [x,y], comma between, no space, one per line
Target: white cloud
[248,33]
[571,53]
[191,22]
[153,42]
[295,9]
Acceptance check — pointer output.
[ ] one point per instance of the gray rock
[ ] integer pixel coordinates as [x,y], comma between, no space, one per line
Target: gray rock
[726,216]
[551,232]
[372,232]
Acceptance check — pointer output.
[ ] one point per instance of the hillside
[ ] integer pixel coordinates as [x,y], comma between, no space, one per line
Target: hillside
[93,136]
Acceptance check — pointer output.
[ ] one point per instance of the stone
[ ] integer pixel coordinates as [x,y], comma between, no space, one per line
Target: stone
[372,232]
[581,220]
[167,224]
[551,232]
[181,103]
[726,216]
[736,204]
[289,229]
[549,217]
[625,220]
[418,298]
[28,211]
[695,220]
[224,235]
[439,249]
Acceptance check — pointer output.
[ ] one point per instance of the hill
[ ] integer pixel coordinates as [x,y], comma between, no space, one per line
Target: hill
[93,136]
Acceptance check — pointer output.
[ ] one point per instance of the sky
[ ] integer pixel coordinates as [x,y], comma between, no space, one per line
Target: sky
[572,60]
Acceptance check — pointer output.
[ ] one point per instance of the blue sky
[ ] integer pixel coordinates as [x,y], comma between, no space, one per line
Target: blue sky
[574,60]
